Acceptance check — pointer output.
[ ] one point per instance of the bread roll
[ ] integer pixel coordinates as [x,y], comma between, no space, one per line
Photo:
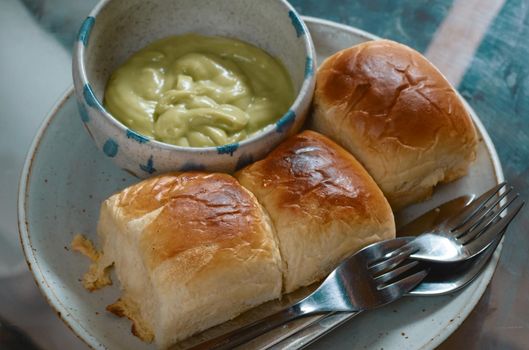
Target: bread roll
[322,202]
[393,110]
[191,251]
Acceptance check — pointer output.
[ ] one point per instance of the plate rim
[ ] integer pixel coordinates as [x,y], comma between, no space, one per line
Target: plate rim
[25,239]
[82,333]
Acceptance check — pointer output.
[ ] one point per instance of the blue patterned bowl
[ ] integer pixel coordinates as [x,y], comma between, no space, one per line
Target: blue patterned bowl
[115,29]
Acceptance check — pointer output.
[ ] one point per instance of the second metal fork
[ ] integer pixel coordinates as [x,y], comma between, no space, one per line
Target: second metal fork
[469,233]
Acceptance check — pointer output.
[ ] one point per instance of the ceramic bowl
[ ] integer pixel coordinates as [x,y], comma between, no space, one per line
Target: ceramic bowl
[116,29]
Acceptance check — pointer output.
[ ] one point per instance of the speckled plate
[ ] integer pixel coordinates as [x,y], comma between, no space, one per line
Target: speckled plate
[65,178]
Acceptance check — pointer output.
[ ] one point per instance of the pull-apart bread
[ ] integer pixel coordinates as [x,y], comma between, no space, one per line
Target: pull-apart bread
[191,250]
[397,114]
[322,202]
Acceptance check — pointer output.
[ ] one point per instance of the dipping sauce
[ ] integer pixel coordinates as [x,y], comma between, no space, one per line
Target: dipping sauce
[199,91]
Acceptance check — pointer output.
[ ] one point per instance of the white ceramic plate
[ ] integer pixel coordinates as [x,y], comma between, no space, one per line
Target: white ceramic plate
[65,178]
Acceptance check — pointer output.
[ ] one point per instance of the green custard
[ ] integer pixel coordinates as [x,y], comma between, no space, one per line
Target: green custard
[199,91]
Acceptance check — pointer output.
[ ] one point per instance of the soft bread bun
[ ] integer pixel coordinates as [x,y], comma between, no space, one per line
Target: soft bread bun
[191,250]
[391,108]
[322,202]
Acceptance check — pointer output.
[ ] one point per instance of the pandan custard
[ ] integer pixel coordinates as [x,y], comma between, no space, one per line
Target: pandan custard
[199,91]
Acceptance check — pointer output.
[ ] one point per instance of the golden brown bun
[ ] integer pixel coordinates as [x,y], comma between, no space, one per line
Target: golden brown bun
[323,204]
[191,251]
[391,108]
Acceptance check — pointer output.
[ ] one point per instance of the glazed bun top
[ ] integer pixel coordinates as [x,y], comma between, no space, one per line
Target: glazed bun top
[390,107]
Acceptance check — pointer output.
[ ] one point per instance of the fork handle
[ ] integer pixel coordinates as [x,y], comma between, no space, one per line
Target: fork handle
[245,334]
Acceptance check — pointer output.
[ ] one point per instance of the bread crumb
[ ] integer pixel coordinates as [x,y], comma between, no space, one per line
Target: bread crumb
[125,307]
[98,275]
[83,245]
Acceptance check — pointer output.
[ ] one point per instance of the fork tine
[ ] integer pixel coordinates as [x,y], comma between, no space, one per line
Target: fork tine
[469,211]
[478,219]
[406,284]
[394,274]
[472,233]
[391,262]
[493,232]
[488,219]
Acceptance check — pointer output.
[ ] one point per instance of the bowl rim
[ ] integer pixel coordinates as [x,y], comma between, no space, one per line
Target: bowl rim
[305,91]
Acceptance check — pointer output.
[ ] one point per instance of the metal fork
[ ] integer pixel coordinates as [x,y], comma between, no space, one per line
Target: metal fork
[469,233]
[353,286]
[441,279]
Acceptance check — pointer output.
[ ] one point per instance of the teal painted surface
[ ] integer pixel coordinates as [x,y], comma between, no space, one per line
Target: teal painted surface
[285,121]
[308,67]
[91,98]
[131,134]
[228,149]
[296,22]
[410,22]
[86,28]
[149,166]
[110,148]
[497,85]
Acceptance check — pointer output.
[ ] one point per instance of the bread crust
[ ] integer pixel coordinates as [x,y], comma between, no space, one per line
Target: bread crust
[323,204]
[390,107]
[191,250]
